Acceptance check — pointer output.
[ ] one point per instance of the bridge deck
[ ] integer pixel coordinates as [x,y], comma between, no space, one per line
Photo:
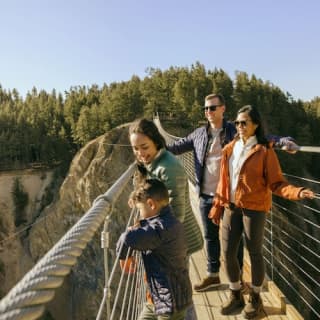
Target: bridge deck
[208,303]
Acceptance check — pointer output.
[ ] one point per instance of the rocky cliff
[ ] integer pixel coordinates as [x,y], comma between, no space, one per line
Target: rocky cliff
[93,170]
[14,258]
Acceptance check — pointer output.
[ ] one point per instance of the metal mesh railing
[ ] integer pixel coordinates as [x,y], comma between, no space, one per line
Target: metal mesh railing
[187,159]
[292,249]
[130,289]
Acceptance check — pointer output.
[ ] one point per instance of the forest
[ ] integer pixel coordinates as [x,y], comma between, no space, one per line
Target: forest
[47,129]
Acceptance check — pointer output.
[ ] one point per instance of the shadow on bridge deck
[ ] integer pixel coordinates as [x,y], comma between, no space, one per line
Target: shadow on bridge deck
[208,303]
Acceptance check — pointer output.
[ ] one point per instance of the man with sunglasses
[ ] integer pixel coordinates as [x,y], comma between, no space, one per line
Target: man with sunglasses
[206,143]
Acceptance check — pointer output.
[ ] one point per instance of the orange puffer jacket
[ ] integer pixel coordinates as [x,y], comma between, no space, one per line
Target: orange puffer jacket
[260,175]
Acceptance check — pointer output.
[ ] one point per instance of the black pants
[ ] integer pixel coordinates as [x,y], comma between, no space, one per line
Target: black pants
[236,221]
[211,236]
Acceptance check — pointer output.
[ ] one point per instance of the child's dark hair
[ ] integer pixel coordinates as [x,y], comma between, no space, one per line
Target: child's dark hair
[151,188]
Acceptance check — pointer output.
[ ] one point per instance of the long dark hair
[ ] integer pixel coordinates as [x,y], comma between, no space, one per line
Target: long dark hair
[149,129]
[256,119]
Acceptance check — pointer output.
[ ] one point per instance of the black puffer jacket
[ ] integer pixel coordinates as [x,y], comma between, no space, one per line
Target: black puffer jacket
[162,243]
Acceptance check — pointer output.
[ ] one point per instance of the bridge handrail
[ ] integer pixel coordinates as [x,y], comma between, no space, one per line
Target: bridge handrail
[27,299]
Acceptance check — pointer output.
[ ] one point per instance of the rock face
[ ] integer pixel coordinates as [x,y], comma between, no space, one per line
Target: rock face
[14,259]
[93,170]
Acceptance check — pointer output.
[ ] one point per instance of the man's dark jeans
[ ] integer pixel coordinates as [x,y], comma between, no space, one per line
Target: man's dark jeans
[211,236]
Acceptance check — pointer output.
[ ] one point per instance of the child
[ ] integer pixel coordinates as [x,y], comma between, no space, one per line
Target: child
[160,238]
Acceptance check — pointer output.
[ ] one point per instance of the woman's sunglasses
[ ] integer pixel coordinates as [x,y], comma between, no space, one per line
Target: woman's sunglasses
[241,123]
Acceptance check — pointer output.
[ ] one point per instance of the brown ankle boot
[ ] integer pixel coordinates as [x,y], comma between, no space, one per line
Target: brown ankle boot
[254,306]
[234,302]
[207,283]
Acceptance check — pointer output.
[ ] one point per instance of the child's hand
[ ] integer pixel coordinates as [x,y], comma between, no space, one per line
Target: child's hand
[131,203]
[135,225]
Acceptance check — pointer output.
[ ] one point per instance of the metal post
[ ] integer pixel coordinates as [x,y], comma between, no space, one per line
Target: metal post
[105,246]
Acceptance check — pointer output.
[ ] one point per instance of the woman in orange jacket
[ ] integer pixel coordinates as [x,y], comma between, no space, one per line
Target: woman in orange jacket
[250,172]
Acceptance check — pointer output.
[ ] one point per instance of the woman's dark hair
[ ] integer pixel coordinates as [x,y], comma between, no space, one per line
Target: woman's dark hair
[256,119]
[148,128]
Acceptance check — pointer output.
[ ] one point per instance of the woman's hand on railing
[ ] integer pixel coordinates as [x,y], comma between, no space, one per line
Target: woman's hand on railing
[306,193]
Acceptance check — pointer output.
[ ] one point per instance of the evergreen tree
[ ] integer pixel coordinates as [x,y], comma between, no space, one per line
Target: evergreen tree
[20,200]
[49,128]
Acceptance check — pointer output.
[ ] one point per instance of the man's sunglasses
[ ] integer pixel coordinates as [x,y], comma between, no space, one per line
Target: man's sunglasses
[241,123]
[211,108]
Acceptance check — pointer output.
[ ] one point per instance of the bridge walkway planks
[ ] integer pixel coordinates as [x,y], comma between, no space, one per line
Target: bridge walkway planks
[208,303]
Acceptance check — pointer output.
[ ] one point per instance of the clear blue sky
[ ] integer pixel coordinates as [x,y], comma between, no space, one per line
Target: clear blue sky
[59,44]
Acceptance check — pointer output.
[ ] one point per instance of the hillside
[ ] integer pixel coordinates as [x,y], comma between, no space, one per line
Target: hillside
[13,257]
[93,170]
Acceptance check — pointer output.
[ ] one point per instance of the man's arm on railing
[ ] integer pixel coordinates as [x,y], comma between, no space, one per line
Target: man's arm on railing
[285,143]
[182,145]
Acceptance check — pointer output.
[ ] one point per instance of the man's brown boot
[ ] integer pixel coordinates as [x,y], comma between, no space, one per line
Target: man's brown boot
[234,302]
[207,283]
[254,306]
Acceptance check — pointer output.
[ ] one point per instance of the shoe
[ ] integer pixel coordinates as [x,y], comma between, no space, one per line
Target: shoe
[254,306]
[207,283]
[234,302]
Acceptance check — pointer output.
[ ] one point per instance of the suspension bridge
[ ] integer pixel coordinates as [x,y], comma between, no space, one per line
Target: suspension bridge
[291,252]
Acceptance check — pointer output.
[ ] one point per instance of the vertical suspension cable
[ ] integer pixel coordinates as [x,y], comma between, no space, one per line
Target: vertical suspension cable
[134,304]
[272,239]
[142,287]
[130,305]
[139,288]
[119,289]
[129,280]
[105,246]
[108,283]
